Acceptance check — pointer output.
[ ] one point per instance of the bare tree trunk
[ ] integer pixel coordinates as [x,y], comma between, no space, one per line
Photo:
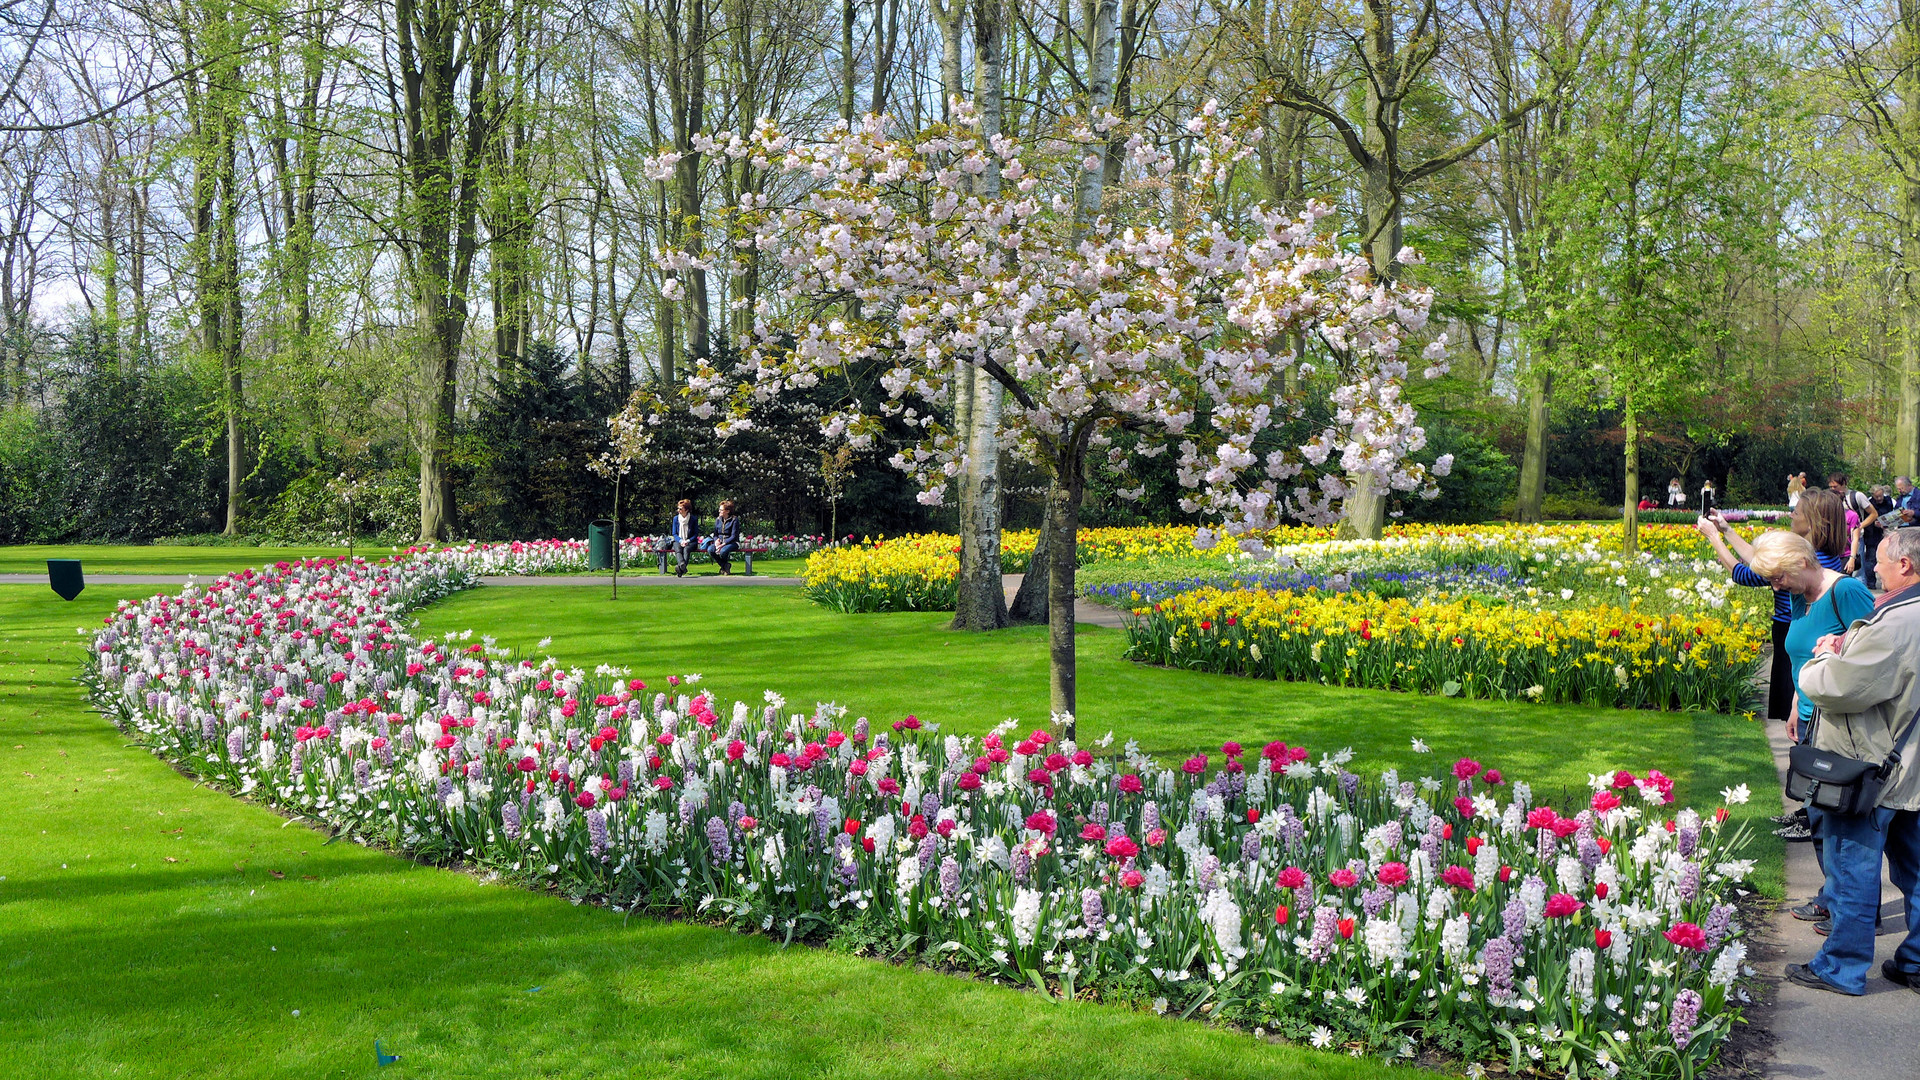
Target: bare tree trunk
[1063,531]
[1533,460]
[886,39]
[982,600]
[947,16]
[1366,505]
[847,15]
[1630,502]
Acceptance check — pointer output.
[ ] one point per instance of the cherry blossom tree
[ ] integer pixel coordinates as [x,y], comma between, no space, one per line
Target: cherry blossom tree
[629,439]
[1155,315]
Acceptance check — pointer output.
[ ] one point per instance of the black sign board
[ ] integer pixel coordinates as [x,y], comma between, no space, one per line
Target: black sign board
[64,576]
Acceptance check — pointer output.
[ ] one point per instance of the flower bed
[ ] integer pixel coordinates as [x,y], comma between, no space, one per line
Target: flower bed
[1494,579]
[1600,656]
[1268,890]
[570,556]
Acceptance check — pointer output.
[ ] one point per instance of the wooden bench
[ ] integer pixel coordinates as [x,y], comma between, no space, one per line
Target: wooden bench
[664,549]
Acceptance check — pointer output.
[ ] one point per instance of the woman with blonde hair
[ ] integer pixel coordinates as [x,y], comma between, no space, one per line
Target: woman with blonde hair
[1824,602]
[1796,484]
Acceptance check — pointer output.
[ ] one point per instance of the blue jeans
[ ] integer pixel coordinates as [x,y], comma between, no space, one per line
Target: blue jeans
[1855,844]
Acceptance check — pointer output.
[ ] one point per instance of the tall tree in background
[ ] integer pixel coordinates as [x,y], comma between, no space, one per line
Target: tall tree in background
[444,51]
[982,598]
[1390,48]
[1869,55]
[1658,209]
[214,35]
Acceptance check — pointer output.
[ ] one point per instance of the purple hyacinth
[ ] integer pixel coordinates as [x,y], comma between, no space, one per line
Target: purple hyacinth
[510,821]
[950,879]
[843,862]
[735,811]
[597,832]
[1548,844]
[1513,919]
[929,851]
[1349,784]
[717,839]
[1292,829]
[386,756]
[1430,847]
[444,791]
[1392,835]
[1099,813]
[687,811]
[1209,878]
[625,773]
[930,806]
[1686,1011]
[362,775]
[1375,900]
[1149,816]
[1250,848]
[1497,961]
[861,729]
[236,744]
[1320,945]
[1687,840]
[476,769]
[660,704]
[405,738]
[1590,854]
[1022,865]
[1093,914]
[1688,887]
[298,759]
[1718,924]
[208,727]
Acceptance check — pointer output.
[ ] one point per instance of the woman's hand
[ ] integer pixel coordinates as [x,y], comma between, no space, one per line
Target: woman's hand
[1793,727]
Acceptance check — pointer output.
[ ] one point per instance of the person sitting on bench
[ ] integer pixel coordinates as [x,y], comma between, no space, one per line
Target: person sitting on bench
[726,537]
[683,536]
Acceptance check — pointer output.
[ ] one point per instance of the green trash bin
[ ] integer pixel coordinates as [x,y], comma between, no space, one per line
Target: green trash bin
[600,554]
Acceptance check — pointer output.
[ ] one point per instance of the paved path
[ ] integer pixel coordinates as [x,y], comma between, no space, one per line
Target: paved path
[1084,611]
[1875,1037]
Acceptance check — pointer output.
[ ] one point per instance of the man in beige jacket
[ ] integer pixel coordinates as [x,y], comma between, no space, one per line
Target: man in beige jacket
[1866,684]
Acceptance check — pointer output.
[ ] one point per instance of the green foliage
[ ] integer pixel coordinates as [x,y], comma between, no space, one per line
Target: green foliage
[114,458]
[1481,482]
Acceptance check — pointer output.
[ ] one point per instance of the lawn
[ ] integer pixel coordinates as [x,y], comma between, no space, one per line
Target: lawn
[156,928]
[160,558]
[168,559]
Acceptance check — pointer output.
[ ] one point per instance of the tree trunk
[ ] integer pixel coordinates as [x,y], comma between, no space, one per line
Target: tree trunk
[982,600]
[1030,603]
[1364,511]
[1630,503]
[1533,460]
[947,16]
[1906,443]
[1906,446]
[1063,532]
[847,15]
[1365,507]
